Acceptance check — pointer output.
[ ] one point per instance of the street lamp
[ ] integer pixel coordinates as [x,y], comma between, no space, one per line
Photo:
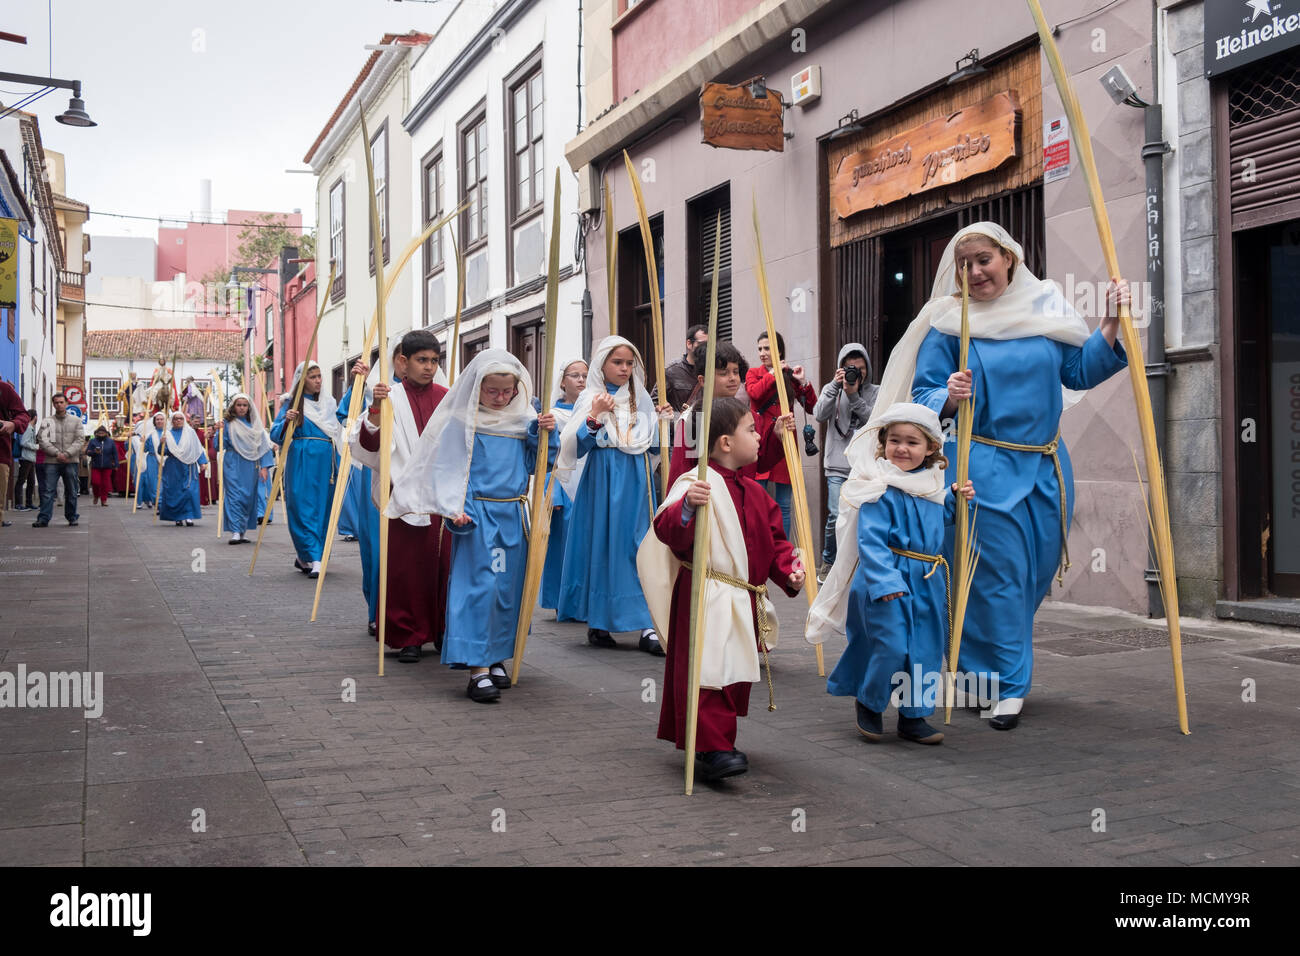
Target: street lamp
[75,114]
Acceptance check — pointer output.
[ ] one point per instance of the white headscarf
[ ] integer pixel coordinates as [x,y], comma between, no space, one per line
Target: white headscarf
[626,434]
[437,477]
[321,411]
[569,482]
[1028,306]
[869,478]
[557,393]
[147,428]
[188,449]
[248,438]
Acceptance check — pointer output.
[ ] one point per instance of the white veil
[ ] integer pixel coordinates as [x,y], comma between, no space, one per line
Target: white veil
[248,438]
[628,435]
[188,449]
[321,411]
[436,479]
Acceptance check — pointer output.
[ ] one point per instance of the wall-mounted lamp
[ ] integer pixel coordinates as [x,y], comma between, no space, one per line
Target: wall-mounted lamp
[848,125]
[967,66]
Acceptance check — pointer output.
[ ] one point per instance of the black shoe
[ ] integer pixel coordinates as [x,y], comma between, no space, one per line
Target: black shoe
[233,541]
[189,523]
[349,537]
[373,628]
[599,638]
[482,690]
[870,724]
[409,655]
[304,568]
[500,676]
[650,644]
[1004,721]
[918,731]
[717,764]
[72,524]
[40,524]
[180,524]
[6,524]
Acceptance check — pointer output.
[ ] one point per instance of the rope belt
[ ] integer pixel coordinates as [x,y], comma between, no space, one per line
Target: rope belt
[935,561]
[333,464]
[765,626]
[1049,449]
[523,508]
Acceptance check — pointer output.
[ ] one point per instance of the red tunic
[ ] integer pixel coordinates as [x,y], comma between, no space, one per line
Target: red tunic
[771,556]
[419,558]
[770,451]
[760,384]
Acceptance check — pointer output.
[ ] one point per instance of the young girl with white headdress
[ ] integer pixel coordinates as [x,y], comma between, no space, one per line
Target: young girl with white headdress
[615,432]
[310,465]
[897,605]
[183,454]
[248,456]
[149,444]
[471,465]
[571,382]
[1030,353]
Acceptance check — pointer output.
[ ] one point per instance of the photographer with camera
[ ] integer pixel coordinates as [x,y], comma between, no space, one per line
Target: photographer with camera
[845,404]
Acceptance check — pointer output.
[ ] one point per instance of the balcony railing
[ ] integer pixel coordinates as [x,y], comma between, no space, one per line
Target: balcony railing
[77,372]
[72,286]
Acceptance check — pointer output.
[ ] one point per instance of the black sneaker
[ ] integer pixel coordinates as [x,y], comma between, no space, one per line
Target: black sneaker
[40,524]
[482,690]
[410,655]
[870,724]
[598,638]
[716,764]
[918,731]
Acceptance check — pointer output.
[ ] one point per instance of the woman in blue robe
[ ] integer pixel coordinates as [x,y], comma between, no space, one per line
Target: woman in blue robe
[248,456]
[573,379]
[311,464]
[183,457]
[1027,343]
[146,485]
[615,500]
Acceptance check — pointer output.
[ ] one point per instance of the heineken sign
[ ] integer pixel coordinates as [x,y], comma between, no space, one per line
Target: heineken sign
[1238,32]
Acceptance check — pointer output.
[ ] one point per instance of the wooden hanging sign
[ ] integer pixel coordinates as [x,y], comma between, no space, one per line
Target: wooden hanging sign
[973,140]
[731,117]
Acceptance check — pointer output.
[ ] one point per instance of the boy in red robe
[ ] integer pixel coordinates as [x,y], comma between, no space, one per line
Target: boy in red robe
[731,369]
[419,549]
[746,543]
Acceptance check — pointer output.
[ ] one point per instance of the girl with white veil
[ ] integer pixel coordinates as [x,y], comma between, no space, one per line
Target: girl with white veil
[1030,353]
[615,432]
[310,464]
[248,456]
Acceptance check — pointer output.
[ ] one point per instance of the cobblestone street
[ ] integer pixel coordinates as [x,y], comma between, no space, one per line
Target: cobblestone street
[224,738]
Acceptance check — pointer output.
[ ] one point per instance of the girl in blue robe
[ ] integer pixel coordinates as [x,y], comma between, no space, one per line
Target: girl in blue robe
[1027,344]
[573,379]
[897,620]
[311,466]
[146,485]
[615,500]
[475,458]
[183,455]
[248,455]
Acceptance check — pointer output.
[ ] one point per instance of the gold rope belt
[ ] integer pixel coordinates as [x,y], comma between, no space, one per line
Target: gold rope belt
[1049,449]
[523,507]
[333,464]
[935,561]
[765,626]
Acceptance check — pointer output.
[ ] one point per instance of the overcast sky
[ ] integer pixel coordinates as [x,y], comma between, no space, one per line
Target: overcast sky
[238,102]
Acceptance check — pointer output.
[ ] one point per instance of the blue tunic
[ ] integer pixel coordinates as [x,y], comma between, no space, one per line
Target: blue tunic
[611,514]
[489,554]
[264,492]
[242,487]
[308,484]
[146,485]
[906,635]
[1018,525]
[180,485]
[561,508]
[366,519]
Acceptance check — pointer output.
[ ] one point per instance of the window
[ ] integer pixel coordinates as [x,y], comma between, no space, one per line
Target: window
[103,395]
[473,178]
[379,159]
[337,236]
[702,220]
[433,179]
[270,327]
[524,103]
[634,313]
[471,343]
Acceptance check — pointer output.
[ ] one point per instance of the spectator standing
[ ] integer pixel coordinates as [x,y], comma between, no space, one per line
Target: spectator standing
[62,440]
[844,407]
[13,419]
[681,374]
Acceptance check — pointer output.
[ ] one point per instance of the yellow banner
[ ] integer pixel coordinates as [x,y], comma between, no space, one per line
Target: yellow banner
[8,263]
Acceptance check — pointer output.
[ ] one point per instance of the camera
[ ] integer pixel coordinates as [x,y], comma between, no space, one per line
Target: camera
[810,440]
[852,374]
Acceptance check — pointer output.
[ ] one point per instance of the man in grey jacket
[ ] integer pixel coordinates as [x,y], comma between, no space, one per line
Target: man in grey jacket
[62,440]
[844,406]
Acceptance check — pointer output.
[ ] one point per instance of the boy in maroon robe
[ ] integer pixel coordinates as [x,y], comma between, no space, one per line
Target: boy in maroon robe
[419,549]
[746,543]
[730,368]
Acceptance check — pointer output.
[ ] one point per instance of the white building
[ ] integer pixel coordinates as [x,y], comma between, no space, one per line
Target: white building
[111,357]
[495,99]
[343,204]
